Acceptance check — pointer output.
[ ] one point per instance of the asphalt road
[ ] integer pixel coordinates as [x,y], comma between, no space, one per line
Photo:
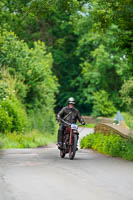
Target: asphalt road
[40,174]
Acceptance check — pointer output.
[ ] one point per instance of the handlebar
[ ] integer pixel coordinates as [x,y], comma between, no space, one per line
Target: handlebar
[66,122]
[69,124]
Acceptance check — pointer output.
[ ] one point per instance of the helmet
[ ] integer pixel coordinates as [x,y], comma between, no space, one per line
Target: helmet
[71,100]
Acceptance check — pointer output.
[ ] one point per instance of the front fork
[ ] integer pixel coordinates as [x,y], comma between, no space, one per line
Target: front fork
[70,139]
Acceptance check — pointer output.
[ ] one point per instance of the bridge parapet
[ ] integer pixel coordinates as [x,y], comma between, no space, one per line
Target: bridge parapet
[107,129]
[89,120]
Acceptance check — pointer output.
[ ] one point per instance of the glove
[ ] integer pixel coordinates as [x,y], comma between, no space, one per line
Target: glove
[83,123]
[58,118]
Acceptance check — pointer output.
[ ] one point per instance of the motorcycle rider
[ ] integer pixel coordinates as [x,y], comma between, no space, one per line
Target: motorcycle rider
[69,114]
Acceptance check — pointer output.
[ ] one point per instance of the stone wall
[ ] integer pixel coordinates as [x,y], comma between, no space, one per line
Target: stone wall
[92,120]
[107,129]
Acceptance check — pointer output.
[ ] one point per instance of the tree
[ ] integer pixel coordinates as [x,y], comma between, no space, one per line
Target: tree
[127,95]
[104,65]
[120,13]
[102,105]
[90,42]
[36,85]
[49,21]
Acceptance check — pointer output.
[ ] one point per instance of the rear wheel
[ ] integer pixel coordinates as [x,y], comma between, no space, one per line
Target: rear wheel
[72,150]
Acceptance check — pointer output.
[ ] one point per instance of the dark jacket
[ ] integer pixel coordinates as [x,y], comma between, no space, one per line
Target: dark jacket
[71,115]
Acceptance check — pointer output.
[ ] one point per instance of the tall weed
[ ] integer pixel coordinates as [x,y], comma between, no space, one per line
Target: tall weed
[30,140]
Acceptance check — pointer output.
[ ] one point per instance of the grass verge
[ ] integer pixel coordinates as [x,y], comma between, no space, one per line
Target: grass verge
[112,145]
[29,140]
[87,125]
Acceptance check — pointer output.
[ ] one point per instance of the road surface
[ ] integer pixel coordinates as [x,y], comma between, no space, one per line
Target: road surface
[40,174]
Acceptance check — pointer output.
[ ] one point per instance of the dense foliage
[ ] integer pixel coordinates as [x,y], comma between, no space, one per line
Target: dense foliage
[86,44]
[29,80]
[13,116]
[112,145]
[102,106]
[120,13]
[128,117]
[127,95]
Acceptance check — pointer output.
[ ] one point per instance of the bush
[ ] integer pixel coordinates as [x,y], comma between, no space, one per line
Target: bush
[5,121]
[4,90]
[112,145]
[35,84]
[44,121]
[127,95]
[102,106]
[12,116]
[128,119]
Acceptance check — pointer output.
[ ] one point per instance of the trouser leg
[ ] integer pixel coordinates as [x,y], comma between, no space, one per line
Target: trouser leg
[60,134]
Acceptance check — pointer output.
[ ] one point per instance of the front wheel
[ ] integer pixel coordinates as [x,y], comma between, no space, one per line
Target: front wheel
[73,147]
[62,154]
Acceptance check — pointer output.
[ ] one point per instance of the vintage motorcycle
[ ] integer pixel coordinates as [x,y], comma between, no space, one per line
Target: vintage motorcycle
[70,140]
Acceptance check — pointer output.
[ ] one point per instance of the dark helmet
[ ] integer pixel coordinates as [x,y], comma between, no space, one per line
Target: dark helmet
[71,100]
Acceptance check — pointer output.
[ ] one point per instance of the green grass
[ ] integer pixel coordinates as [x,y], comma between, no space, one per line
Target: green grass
[113,145]
[87,125]
[29,140]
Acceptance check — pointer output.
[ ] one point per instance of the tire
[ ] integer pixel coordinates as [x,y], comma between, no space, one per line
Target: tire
[62,154]
[72,150]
